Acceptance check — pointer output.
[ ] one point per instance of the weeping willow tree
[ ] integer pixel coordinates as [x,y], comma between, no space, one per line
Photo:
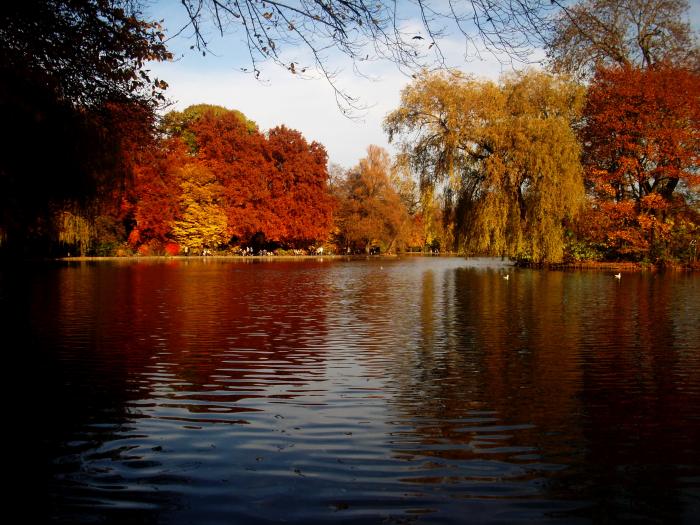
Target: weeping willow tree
[74,230]
[505,153]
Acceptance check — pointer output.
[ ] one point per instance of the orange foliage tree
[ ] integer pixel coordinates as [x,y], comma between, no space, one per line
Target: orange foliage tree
[372,212]
[641,155]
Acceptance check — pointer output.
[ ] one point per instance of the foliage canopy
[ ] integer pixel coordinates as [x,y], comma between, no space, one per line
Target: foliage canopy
[642,145]
[506,153]
[624,33]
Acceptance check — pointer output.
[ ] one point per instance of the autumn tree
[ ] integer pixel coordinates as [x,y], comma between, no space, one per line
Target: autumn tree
[371,210]
[622,33]
[272,187]
[300,199]
[507,152]
[231,147]
[200,221]
[642,154]
[64,65]
[181,123]
[152,202]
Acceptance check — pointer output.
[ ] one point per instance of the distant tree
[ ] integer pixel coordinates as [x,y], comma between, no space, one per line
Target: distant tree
[371,210]
[642,153]
[273,187]
[623,33]
[301,200]
[180,123]
[200,221]
[507,153]
[227,144]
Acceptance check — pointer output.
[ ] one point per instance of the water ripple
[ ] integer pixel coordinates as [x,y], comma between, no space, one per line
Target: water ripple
[406,390]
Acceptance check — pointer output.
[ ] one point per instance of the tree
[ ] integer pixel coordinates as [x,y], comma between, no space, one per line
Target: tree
[180,123]
[153,198]
[371,210]
[272,187]
[67,69]
[624,33]
[505,155]
[642,145]
[228,145]
[200,221]
[300,198]
[87,52]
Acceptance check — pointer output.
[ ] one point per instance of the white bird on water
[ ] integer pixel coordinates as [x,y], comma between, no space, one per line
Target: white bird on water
[618,276]
[506,277]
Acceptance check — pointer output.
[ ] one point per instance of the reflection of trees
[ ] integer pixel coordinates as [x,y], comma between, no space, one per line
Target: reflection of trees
[239,331]
[78,381]
[480,349]
[218,334]
[641,393]
[553,386]
[576,369]
[169,341]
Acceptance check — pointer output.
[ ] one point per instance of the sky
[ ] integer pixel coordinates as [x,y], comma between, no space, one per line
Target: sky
[307,105]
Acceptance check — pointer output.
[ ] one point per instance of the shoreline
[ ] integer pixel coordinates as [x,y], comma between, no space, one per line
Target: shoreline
[625,266]
[616,266]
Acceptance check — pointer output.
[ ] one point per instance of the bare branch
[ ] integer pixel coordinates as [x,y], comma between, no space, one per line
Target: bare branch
[361,29]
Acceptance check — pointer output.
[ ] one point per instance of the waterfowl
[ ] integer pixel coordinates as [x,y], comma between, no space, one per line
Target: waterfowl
[618,276]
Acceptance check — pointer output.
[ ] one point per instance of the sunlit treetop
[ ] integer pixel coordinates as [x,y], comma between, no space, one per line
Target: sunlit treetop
[180,123]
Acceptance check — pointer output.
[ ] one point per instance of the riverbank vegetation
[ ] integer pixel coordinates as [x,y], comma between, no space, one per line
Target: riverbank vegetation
[595,157]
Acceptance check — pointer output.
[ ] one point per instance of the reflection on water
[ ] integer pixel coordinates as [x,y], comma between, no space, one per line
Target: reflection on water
[411,390]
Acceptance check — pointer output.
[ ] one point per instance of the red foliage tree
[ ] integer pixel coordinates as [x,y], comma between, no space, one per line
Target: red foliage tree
[642,143]
[300,199]
[153,197]
[274,186]
[234,152]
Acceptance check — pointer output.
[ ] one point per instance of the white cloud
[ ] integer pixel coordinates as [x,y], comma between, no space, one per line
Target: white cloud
[306,105]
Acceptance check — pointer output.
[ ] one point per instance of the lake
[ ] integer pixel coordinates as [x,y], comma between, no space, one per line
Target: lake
[407,390]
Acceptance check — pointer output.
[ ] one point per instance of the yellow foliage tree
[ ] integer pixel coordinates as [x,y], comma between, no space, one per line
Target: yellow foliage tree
[506,153]
[75,230]
[201,222]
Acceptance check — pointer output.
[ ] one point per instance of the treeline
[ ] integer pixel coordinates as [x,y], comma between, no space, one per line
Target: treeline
[213,181]
[210,182]
[542,169]
[594,157]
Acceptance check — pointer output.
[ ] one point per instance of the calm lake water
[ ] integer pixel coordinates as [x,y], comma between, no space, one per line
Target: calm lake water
[416,390]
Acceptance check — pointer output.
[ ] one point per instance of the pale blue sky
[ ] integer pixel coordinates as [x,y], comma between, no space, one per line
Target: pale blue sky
[282,98]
